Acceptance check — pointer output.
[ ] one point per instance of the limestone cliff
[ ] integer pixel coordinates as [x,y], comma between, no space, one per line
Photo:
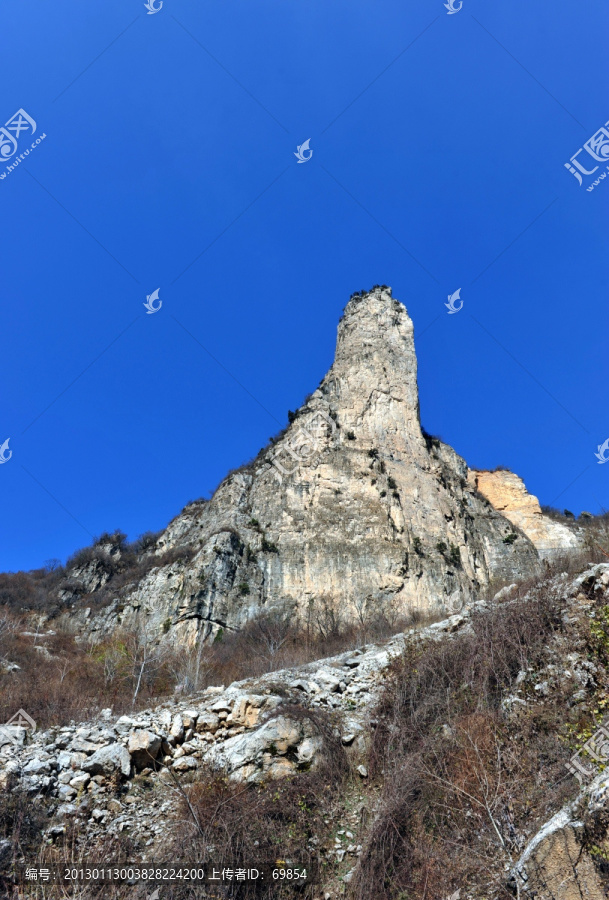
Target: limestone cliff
[353,504]
[508,494]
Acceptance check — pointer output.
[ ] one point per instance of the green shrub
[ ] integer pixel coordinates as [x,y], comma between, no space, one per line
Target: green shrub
[268,546]
[454,557]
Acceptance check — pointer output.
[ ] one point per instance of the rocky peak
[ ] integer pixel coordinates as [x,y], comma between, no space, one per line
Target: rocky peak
[352,506]
[375,362]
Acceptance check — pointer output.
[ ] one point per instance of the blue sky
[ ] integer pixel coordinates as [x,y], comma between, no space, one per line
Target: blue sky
[439,148]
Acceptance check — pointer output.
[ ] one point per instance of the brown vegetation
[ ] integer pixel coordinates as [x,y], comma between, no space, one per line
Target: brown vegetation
[461,782]
[59,679]
[279,823]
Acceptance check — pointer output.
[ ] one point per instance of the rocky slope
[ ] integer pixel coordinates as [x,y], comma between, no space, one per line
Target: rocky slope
[112,776]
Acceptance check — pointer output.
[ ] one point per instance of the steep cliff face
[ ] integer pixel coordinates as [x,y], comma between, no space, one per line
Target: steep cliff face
[353,506]
[508,494]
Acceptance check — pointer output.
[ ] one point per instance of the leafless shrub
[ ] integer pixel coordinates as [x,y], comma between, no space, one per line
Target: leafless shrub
[8,625]
[267,635]
[327,616]
[134,656]
[193,667]
[226,824]
[456,789]
[70,852]
[22,823]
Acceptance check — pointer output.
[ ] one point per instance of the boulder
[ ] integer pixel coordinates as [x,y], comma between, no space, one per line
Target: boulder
[189,717]
[124,725]
[184,764]
[66,792]
[176,732]
[328,680]
[110,759]
[207,721]
[12,735]
[8,775]
[246,710]
[270,751]
[144,747]
[37,766]
[6,847]
[80,781]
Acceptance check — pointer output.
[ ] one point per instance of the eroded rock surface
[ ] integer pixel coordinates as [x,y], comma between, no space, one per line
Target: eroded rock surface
[352,504]
[509,496]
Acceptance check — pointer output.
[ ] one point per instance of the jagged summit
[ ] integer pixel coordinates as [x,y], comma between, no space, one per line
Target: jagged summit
[352,505]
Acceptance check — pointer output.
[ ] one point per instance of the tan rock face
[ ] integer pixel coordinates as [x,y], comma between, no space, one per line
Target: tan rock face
[351,505]
[509,496]
[560,870]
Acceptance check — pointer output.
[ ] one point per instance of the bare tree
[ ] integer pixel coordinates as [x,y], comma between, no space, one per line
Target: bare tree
[8,626]
[267,634]
[112,663]
[362,605]
[63,668]
[328,619]
[136,655]
[190,667]
[391,611]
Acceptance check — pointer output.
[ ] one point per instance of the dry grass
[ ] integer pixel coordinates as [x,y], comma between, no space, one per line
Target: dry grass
[229,824]
[458,784]
[60,680]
